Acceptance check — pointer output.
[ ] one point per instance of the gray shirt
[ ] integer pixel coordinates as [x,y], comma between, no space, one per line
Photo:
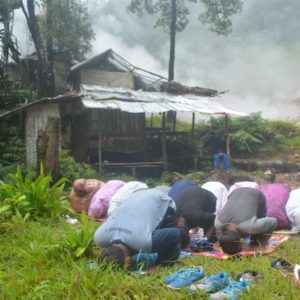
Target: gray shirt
[134,221]
[246,208]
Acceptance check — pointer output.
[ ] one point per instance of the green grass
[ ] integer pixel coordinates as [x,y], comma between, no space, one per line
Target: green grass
[33,266]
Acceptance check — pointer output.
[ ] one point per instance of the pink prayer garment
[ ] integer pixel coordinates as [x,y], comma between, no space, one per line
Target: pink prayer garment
[100,201]
[277,195]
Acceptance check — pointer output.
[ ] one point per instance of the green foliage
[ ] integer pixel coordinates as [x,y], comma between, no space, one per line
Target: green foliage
[26,198]
[78,241]
[285,128]
[252,135]
[184,147]
[151,182]
[70,29]
[244,140]
[32,267]
[6,86]
[246,133]
[163,9]
[10,96]
[216,13]
[12,148]
[8,43]
[73,170]
[114,175]
[156,122]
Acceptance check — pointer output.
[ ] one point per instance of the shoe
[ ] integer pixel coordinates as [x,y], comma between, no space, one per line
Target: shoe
[212,284]
[187,277]
[232,291]
[169,278]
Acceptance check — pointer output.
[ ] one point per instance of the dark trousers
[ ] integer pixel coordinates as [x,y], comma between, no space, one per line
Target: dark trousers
[167,243]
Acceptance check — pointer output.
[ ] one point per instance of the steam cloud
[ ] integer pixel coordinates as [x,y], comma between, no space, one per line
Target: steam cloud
[259,63]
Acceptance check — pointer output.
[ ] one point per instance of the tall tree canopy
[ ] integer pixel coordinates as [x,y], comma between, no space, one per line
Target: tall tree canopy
[69,28]
[173,16]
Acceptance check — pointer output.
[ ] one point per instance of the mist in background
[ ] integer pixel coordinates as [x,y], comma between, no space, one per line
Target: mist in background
[259,63]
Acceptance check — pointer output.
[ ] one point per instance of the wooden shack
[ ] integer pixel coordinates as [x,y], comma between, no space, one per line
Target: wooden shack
[102,119]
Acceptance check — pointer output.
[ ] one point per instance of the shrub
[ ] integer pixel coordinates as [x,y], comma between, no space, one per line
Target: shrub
[246,134]
[78,241]
[73,170]
[26,198]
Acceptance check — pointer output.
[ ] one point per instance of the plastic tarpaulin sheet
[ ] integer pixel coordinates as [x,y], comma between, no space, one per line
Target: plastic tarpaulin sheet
[151,102]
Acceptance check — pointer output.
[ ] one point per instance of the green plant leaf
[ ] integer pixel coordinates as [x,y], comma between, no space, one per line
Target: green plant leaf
[4,208]
[79,251]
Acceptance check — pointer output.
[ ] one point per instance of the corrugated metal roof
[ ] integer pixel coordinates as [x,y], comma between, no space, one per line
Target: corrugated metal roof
[150,102]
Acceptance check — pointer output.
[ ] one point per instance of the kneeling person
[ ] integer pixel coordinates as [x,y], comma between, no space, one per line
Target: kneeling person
[196,207]
[144,223]
[244,213]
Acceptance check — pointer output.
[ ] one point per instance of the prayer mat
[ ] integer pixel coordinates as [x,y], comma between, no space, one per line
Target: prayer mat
[270,247]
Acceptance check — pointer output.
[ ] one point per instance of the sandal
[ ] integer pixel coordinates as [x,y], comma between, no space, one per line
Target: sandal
[249,275]
[281,263]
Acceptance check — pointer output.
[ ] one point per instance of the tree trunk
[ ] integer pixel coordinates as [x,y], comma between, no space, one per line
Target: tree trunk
[171,116]
[51,87]
[42,72]
[172,40]
[48,147]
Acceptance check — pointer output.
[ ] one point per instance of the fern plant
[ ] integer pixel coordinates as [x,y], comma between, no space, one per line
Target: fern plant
[78,241]
[244,140]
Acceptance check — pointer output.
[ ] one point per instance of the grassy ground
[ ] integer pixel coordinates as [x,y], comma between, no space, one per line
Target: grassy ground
[33,267]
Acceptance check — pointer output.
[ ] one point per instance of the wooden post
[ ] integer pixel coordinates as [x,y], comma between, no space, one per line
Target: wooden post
[193,126]
[100,122]
[174,121]
[144,137]
[227,137]
[163,142]
[133,172]
[99,151]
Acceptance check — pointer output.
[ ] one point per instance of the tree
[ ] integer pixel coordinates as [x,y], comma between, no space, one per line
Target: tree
[43,65]
[61,25]
[9,44]
[67,25]
[173,17]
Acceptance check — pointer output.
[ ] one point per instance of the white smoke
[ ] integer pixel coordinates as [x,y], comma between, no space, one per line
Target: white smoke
[259,63]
